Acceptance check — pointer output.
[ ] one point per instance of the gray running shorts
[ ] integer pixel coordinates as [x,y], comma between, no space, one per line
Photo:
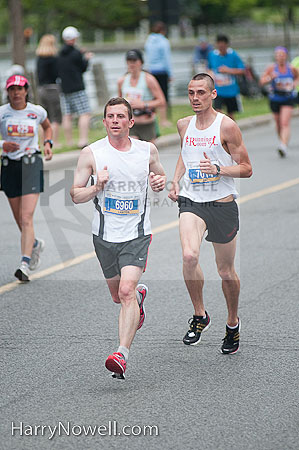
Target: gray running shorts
[114,256]
[144,131]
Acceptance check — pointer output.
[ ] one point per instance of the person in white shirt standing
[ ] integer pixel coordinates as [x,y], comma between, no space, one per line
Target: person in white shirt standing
[213,154]
[121,168]
[22,167]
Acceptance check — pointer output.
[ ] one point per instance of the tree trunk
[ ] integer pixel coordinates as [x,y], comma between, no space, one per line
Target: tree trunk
[16,20]
[287,22]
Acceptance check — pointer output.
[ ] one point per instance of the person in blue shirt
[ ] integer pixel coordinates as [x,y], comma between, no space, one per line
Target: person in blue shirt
[281,77]
[200,54]
[158,62]
[224,64]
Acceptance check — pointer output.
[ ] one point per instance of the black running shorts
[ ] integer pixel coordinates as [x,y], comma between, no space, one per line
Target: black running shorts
[221,218]
[275,106]
[163,80]
[232,104]
[22,177]
[114,256]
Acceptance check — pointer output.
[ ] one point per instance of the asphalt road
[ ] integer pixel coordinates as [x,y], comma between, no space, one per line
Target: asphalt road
[57,331]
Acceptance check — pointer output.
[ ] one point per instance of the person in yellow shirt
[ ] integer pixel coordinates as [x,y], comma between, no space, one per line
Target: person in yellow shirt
[295,63]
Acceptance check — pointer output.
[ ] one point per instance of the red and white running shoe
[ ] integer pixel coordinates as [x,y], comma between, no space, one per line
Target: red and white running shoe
[142,290]
[116,363]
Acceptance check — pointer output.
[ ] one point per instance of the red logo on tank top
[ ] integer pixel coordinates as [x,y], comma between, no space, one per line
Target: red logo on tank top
[200,141]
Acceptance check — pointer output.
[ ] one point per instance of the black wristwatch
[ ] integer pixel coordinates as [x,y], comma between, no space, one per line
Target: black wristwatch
[50,142]
[218,169]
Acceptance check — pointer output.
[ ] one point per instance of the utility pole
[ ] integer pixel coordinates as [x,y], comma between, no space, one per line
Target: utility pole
[287,23]
[16,21]
[165,10]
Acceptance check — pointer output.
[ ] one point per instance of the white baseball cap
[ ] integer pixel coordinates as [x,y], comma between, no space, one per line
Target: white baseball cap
[15,69]
[70,33]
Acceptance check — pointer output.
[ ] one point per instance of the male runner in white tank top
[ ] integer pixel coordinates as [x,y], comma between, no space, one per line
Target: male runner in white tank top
[213,154]
[122,169]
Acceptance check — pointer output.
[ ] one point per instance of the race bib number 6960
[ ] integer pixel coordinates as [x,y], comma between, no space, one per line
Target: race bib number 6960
[119,206]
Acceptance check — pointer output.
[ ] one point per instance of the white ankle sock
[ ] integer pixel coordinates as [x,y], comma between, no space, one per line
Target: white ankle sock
[124,350]
[283,146]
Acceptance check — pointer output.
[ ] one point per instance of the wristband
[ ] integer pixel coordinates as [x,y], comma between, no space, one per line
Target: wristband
[49,141]
[217,168]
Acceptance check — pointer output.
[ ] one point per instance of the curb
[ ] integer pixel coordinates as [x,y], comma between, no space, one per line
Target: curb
[68,159]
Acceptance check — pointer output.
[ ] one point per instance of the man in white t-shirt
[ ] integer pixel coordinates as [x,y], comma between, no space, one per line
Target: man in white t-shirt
[213,154]
[121,168]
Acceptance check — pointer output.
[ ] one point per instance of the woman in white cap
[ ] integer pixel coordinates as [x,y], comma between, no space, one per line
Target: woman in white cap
[143,92]
[22,166]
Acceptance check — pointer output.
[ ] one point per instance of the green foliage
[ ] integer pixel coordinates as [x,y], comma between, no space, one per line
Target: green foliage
[276,12]
[4,20]
[222,11]
[53,15]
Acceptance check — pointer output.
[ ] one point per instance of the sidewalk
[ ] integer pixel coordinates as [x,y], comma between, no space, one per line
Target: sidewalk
[68,159]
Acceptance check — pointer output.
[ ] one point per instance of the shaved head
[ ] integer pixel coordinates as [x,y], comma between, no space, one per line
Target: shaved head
[207,78]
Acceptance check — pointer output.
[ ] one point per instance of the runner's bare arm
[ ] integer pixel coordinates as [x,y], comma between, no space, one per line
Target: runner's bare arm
[267,76]
[232,141]
[157,177]
[231,70]
[119,86]
[85,168]
[182,125]
[9,146]
[295,72]
[46,126]
[180,169]
[158,96]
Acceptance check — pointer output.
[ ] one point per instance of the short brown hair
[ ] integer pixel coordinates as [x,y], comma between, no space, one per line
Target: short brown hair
[207,78]
[119,101]
[159,27]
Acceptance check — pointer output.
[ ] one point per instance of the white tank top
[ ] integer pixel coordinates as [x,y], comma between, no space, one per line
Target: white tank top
[197,186]
[121,209]
[138,92]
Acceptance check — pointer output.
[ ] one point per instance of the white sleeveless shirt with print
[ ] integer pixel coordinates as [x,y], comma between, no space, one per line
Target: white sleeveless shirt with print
[138,92]
[198,186]
[122,208]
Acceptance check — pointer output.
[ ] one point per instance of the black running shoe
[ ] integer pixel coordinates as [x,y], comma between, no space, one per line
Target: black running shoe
[197,326]
[231,340]
[22,273]
[282,153]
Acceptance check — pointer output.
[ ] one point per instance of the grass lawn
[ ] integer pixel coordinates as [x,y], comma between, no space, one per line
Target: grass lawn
[252,107]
